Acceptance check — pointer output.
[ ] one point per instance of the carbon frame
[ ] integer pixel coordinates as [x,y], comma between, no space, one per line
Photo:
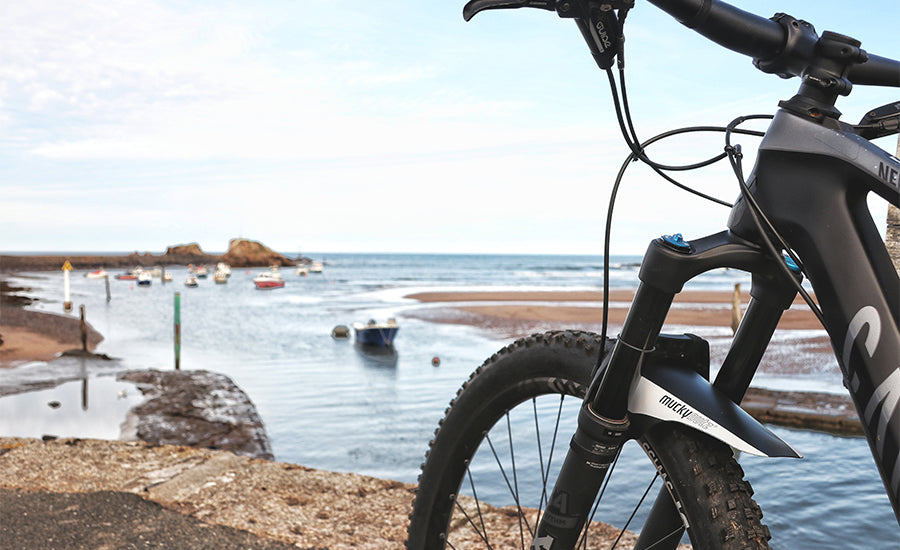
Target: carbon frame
[811,180]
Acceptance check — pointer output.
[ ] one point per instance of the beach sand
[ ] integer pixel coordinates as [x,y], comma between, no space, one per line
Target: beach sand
[513,308]
[37,336]
[800,346]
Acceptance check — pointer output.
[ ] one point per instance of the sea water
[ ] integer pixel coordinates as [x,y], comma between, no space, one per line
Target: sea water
[329,404]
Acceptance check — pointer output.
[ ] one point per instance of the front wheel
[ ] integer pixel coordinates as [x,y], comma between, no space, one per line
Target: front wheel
[494,459]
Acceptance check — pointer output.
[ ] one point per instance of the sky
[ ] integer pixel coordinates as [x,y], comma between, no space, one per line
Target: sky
[352,126]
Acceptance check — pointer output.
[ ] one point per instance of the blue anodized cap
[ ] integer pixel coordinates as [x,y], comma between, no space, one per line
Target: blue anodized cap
[676,242]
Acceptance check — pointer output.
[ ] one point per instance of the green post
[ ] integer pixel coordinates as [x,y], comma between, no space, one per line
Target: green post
[177,331]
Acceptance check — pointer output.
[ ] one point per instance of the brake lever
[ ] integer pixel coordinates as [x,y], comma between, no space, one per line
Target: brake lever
[880,122]
[474,6]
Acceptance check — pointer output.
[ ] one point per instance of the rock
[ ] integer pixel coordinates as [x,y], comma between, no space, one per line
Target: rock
[192,249]
[10,296]
[241,253]
[198,409]
[247,253]
[817,411]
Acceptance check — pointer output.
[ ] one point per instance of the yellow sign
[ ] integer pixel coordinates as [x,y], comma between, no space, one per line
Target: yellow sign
[67,266]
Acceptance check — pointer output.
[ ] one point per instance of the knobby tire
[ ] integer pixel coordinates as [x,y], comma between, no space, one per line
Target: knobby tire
[532,387]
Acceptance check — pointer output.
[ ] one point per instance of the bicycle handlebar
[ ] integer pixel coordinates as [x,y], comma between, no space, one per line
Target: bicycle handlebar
[728,26]
[781,45]
[780,42]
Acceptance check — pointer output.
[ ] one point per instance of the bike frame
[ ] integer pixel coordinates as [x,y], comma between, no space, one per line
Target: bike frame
[807,193]
[812,180]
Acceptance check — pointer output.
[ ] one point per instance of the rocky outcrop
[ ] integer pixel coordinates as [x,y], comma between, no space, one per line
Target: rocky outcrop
[182,254]
[199,409]
[247,253]
[241,253]
[192,249]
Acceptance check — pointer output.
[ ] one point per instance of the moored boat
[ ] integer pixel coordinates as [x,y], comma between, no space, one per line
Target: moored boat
[268,279]
[144,278]
[96,274]
[191,281]
[376,334]
[220,277]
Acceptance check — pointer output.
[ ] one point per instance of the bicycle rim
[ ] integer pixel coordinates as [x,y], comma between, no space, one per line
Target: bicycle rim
[494,460]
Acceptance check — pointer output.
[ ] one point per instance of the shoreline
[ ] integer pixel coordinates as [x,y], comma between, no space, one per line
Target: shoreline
[691,307]
[30,335]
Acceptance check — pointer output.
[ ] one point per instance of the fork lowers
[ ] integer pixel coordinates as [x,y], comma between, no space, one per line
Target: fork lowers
[593,448]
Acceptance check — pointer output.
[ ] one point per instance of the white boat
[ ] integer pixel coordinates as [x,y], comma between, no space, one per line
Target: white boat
[96,274]
[201,272]
[220,277]
[316,267]
[191,281]
[144,278]
[223,268]
[268,279]
[166,276]
[302,271]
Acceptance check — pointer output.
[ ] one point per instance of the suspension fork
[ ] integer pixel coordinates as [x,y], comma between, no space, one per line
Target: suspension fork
[603,424]
[768,300]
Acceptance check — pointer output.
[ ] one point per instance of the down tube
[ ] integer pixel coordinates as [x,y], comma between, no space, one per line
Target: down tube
[855,284]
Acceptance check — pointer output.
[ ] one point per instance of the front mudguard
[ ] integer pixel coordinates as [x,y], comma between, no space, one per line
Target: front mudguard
[671,388]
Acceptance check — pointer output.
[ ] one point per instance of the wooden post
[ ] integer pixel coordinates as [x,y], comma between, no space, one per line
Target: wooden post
[83,330]
[177,331]
[108,296]
[736,308]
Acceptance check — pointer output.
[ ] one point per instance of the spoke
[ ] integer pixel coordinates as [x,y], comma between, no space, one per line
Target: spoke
[545,473]
[663,539]
[512,457]
[640,502]
[477,505]
[509,486]
[482,533]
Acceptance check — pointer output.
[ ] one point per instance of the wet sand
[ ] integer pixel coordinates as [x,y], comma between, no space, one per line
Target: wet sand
[37,336]
[509,309]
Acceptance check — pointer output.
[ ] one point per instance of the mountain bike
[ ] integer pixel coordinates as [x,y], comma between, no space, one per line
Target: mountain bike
[526,454]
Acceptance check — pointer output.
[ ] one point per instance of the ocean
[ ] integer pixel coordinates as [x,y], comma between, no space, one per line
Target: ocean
[330,405]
